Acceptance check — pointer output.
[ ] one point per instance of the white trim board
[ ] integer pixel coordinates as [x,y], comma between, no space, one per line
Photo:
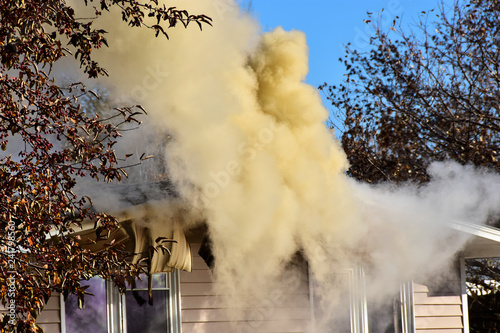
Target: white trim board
[478,230]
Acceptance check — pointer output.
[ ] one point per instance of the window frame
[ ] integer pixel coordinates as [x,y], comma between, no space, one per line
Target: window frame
[407,307]
[116,318]
[358,313]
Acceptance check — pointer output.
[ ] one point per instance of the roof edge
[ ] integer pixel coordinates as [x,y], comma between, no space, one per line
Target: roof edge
[483,231]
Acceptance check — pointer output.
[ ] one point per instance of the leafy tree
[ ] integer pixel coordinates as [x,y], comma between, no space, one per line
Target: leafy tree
[49,142]
[428,95]
[423,95]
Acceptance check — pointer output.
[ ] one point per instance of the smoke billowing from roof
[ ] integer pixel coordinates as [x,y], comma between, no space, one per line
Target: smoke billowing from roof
[251,152]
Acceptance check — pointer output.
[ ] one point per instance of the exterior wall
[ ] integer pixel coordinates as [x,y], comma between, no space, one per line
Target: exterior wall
[203,311]
[437,314]
[50,318]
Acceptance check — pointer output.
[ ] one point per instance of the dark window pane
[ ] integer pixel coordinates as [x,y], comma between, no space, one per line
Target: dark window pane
[385,316]
[92,318]
[145,318]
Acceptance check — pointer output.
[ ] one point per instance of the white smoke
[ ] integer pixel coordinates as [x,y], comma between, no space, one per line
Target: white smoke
[251,151]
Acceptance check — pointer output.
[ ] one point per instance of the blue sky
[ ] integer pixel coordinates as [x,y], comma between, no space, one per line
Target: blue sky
[330,24]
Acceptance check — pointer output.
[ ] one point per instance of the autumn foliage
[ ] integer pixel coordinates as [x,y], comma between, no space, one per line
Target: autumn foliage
[48,143]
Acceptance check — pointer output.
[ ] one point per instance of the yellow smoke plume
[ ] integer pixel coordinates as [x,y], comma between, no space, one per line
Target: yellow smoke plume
[251,152]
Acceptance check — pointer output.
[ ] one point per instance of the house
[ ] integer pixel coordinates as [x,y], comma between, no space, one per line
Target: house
[184,299]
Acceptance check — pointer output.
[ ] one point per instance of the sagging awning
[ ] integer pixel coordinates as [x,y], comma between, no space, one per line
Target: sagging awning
[138,239]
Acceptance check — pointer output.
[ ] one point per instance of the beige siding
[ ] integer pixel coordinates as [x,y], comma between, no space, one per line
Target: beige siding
[437,314]
[50,318]
[447,330]
[290,326]
[205,312]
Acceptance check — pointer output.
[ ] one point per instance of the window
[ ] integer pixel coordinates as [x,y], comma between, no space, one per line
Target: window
[108,311]
[335,316]
[352,311]
[95,307]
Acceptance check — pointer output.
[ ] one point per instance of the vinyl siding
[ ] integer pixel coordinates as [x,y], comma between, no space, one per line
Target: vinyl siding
[202,311]
[437,314]
[50,317]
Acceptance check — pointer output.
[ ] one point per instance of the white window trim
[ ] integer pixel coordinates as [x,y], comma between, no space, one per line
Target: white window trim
[465,300]
[358,301]
[357,298]
[62,312]
[407,307]
[116,311]
[175,304]
[359,309]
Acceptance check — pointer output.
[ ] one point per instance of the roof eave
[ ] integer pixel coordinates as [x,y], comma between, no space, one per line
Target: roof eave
[478,230]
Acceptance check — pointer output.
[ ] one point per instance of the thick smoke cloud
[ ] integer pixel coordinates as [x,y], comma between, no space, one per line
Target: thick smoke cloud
[251,153]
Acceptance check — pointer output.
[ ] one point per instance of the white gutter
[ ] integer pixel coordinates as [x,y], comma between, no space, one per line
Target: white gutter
[478,230]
